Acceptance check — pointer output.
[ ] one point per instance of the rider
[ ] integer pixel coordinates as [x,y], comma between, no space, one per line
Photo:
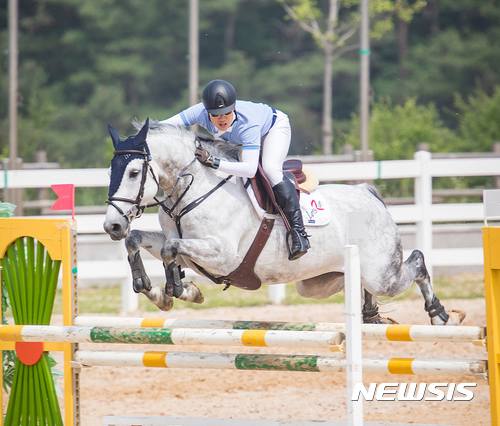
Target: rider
[261,130]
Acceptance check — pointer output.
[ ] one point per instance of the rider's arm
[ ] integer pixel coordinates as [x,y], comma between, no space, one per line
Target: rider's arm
[189,117]
[247,167]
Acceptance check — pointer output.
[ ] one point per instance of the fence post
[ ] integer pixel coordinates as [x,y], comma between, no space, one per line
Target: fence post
[277,293]
[496,150]
[423,200]
[13,195]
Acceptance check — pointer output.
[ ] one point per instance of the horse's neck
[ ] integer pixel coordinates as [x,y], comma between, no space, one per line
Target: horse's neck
[178,171]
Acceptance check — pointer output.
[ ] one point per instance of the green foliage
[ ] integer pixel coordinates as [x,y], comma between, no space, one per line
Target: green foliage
[396,130]
[441,66]
[478,118]
[6,209]
[84,64]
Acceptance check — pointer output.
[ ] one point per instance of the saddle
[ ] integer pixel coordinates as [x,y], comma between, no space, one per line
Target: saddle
[262,187]
[244,276]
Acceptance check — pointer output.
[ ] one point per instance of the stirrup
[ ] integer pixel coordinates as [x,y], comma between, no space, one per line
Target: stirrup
[302,238]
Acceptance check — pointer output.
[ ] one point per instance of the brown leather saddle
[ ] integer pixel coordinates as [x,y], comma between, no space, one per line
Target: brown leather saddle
[262,188]
[244,276]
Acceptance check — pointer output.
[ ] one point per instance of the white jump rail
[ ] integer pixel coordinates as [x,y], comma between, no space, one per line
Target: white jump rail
[381,332]
[275,362]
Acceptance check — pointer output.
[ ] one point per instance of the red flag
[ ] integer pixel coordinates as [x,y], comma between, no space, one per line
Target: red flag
[66,200]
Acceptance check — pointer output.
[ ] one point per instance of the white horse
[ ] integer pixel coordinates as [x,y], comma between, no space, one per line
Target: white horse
[208,223]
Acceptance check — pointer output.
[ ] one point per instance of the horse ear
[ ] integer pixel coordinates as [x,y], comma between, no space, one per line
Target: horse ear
[114,135]
[140,138]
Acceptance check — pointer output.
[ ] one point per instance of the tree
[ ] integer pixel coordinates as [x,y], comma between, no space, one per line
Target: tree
[395,132]
[333,24]
[479,125]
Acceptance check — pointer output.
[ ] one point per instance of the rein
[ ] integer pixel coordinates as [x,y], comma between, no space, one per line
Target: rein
[168,210]
[177,217]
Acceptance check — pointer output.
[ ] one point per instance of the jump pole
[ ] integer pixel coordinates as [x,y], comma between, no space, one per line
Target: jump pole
[276,362]
[383,332]
[164,336]
[252,338]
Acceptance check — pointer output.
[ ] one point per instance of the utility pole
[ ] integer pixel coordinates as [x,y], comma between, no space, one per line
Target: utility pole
[13,84]
[12,195]
[364,80]
[193,51]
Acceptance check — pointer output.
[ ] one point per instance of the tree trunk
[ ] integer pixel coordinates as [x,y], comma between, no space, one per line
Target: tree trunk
[326,126]
[402,31]
[431,14]
[229,32]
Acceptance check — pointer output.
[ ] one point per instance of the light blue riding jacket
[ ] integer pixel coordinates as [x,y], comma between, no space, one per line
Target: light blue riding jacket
[253,121]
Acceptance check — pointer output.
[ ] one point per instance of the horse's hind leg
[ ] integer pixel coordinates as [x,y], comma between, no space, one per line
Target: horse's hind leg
[370,311]
[435,310]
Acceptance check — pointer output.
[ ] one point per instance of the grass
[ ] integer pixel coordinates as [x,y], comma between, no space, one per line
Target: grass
[107,300]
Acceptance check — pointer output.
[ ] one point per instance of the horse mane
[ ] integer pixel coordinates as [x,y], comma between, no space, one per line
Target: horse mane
[218,148]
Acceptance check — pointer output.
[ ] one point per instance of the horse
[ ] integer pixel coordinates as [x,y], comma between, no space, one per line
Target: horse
[208,223]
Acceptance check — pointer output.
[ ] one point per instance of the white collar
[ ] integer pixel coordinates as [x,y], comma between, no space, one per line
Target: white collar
[229,129]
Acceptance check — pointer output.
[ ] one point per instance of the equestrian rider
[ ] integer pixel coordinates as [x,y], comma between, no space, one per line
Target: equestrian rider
[261,130]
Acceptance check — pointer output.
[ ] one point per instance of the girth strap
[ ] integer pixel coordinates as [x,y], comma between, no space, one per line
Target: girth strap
[244,276]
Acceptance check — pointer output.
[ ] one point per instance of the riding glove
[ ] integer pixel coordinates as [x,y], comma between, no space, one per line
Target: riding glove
[206,158]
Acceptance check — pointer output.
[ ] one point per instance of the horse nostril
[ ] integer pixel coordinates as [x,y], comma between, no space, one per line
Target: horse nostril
[116,228]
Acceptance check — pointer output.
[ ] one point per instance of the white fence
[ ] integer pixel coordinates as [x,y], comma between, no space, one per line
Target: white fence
[422,213]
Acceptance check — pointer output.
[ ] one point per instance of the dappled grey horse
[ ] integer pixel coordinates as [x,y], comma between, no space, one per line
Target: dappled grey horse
[208,223]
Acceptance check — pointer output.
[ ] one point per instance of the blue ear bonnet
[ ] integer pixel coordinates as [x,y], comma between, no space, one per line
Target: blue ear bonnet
[120,161]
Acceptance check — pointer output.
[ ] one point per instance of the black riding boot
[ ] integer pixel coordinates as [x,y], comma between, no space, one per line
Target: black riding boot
[288,200]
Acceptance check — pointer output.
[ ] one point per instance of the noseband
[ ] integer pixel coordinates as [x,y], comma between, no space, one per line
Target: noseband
[132,214]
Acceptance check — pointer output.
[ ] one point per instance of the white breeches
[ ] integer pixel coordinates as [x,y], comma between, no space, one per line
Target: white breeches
[274,148]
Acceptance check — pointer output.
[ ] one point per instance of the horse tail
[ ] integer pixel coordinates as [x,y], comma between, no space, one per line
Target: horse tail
[374,191]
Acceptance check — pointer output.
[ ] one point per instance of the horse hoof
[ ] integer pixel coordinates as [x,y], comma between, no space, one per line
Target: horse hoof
[158,297]
[387,321]
[455,317]
[191,293]
[166,306]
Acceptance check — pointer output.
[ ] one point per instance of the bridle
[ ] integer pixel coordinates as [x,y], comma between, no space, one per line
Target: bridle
[136,210]
[131,215]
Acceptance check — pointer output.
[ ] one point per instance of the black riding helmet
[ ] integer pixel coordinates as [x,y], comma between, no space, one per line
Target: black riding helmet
[219,97]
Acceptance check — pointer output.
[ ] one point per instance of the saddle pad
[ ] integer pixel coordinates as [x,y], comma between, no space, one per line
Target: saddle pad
[315,210]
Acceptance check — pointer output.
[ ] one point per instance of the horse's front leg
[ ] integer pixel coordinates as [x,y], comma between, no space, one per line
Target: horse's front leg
[153,243]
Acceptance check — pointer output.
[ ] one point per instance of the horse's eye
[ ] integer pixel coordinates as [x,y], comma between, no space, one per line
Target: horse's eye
[133,173]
